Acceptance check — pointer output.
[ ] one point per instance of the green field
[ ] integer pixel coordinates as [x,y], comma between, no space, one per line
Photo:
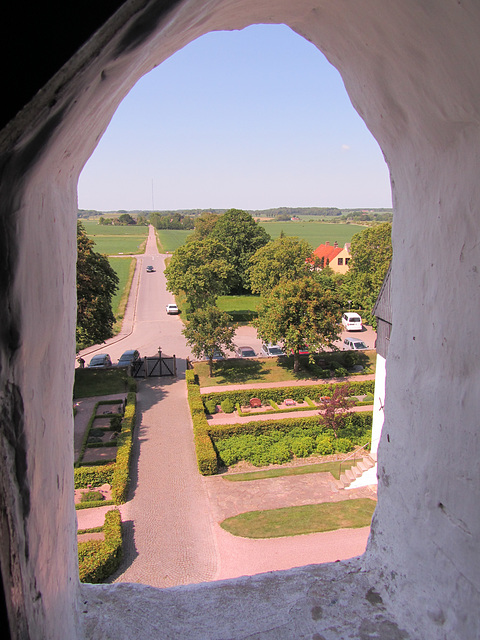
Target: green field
[94,229]
[315,233]
[171,239]
[122,268]
[115,240]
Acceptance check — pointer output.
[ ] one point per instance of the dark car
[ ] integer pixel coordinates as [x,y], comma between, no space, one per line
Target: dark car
[100,361]
[245,352]
[128,357]
[150,269]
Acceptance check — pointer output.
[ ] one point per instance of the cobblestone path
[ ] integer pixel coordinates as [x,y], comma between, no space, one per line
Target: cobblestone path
[168,536]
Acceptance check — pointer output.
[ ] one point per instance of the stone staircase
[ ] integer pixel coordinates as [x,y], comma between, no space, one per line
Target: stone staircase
[349,475]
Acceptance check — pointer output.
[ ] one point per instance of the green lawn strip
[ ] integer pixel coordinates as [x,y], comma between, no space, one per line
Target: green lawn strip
[125,269]
[114,245]
[95,230]
[171,239]
[101,382]
[321,467]
[299,520]
[249,371]
[315,233]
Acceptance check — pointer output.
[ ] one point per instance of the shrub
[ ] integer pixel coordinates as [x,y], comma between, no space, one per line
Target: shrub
[98,559]
[210,407]
[227,406]
[325,445]
[204,449]
[303,447]
[343,445]
[94,476]
[116,423]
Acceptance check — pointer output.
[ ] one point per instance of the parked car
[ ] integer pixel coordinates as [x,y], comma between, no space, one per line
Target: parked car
[100,361]
[352,321]
[354,343]
[150,269]
[272,350]
[245,352]
[128,357]
[218,355]
[172,309]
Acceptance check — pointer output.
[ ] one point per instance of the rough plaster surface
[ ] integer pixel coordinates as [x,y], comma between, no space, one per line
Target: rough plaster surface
[412,71]
[378,403]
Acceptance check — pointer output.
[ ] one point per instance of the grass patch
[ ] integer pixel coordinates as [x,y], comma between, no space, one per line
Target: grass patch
[113,245]
[321,467]
[244,371]
[241,308]
[95,230]
[101,382]
[171,239]
[315,233]
[124,268]
[299,520]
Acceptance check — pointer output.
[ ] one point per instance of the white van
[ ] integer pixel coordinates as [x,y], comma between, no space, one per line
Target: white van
[352,321]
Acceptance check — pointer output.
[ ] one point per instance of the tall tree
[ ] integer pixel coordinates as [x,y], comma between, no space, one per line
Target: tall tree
[239,232]
[279,260]
[371,251]
[202,270]
[299,313]
[97,283]
[209,330]
[204,225]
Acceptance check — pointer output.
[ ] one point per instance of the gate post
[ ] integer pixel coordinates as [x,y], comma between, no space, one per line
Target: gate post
[174,365]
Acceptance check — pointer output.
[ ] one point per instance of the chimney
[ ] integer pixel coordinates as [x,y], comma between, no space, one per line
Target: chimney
[336,245]
[327,244]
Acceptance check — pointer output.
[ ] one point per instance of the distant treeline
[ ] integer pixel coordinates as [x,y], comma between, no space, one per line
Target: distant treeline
[185,218]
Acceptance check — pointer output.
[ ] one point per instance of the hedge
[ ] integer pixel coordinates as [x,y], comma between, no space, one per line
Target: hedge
[356,425]
[121,475]
[205,434]
[279,394]
[206,455]
[116,474]
[98,559]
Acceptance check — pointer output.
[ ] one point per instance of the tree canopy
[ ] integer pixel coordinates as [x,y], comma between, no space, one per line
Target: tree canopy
[300,313]
[279,260]
[371,252]
[97,283]
[202,270]
[209,330]
[239,232]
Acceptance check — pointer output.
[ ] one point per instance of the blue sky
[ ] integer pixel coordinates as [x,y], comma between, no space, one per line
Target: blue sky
[250,119]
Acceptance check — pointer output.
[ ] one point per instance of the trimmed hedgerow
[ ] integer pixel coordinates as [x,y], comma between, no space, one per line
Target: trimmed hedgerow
[94,475]
[279,394]
[121,475]
[98,559]
[206,455]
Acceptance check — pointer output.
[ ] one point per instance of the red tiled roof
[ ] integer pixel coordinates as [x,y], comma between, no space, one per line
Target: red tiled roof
[327,251]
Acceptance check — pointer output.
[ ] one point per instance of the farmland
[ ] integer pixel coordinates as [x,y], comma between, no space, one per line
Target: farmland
[315,233]
[115,240]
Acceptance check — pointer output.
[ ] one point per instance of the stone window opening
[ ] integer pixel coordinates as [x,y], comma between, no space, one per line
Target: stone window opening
[412,75]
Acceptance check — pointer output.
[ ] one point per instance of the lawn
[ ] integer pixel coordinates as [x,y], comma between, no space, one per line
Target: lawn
[299,520]
[94,229]
[124,268]
[101,382]
[171,239]
[334,467]
[116,245]
[241,308]
[315,233]
[238,371]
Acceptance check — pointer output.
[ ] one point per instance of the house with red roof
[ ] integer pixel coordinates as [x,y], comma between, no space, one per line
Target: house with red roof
[333,256]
